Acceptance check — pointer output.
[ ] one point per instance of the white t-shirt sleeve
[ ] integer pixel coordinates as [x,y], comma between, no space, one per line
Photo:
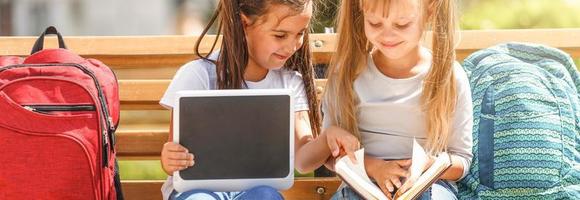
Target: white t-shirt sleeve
[461,142]
[167,188]
[299,93]
[191,76]
[326,122]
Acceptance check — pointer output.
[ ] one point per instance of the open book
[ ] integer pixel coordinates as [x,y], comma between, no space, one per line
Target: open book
[356,177]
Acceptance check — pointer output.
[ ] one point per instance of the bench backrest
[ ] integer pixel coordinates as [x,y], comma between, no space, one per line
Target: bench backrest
[145,65]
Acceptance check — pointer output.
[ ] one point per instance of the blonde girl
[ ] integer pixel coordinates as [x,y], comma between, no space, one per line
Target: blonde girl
[386,89]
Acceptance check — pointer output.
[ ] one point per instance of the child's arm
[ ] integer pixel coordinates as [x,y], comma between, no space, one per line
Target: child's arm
[460,140]
[455,171]
[174,157]
[311,152]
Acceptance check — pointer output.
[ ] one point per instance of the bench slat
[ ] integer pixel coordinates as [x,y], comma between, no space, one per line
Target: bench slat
[145,94]
[140,144]
[303,188]
[173,51]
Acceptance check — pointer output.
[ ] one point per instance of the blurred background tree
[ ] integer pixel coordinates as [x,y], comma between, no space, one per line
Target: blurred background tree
[491,14]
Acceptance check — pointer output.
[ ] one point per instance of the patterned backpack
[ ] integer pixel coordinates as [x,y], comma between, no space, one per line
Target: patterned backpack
[526,124]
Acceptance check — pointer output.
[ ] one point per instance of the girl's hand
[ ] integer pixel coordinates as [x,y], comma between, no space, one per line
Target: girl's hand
[341,142]
[412,178]
[388,174]
[175,157]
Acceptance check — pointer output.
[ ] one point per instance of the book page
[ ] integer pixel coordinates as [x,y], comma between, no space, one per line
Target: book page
[425,180]
[419,160]
[358,168]
[356,177]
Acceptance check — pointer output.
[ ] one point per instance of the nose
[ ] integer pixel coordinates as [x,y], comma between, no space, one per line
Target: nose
[293,45]
[388,31]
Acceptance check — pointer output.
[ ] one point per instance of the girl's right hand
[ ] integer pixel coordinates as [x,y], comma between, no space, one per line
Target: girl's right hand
[389,174]
[175,157]
[341,142]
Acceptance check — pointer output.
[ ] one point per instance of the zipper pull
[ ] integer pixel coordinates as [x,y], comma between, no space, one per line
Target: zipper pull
[105,150]
[111,132]
[111,125]
[31,109]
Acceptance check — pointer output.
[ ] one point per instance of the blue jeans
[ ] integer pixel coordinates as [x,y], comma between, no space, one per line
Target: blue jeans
[441,190]
[260,192]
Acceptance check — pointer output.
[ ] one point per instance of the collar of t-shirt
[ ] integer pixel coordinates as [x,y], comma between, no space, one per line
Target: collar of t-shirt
[424,67]
[261,84]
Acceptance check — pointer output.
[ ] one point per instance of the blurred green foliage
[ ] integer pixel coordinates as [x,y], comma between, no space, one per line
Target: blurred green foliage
[151,170]
[520,14]
[489,14]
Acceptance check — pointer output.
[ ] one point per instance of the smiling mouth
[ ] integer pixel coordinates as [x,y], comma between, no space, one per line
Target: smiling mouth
[391,45]
[281,57]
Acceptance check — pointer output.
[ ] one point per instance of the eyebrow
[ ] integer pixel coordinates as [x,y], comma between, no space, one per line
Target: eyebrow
[286,31]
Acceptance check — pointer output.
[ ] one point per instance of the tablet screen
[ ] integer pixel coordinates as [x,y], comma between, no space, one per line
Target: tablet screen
[236,137]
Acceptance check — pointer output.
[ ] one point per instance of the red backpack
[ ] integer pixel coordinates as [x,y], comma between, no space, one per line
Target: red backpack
[58,115]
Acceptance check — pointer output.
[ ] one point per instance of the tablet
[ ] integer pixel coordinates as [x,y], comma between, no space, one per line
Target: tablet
[240,139]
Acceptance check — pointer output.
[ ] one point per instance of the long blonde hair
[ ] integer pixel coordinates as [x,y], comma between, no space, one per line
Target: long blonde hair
[439,87]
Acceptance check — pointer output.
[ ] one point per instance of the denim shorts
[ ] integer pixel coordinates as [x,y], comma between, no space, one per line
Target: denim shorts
[441,190]
[260,192]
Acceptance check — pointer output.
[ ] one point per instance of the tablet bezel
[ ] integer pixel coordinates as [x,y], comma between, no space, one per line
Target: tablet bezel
[225,185]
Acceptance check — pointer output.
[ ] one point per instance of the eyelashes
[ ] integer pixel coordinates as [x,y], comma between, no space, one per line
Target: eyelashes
[399,26]
[284,36]
[402,26]
[375,25]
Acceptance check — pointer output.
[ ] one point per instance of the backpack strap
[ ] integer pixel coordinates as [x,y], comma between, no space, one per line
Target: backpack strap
[39,44]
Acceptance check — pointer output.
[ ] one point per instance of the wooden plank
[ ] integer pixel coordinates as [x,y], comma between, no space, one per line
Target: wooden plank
[144,61]
[562,39]
[321,43]
[145,94]
[312,188]
[153,73]
[142,189]
[303,188]
[111,45]
[142,94]
[142,144]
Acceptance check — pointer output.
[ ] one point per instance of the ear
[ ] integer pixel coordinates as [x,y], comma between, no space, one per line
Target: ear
[245,20]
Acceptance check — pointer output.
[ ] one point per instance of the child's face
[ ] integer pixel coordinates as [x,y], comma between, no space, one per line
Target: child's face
[276,35]
[397,34]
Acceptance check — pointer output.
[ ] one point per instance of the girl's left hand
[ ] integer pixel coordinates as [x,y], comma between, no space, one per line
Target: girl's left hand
[412,179]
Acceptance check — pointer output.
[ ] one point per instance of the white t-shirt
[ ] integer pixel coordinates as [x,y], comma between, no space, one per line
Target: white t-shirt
[201,75]
[390,116]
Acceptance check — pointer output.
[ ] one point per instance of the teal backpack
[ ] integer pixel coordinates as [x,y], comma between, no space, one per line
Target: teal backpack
[526,124]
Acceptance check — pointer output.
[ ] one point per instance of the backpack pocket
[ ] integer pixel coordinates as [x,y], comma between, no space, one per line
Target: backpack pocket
[519,140]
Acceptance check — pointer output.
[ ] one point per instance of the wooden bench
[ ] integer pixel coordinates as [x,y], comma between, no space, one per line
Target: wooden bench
[145,65]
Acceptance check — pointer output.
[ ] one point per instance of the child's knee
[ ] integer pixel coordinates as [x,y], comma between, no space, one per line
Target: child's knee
[440,192]
[265,192]
[196,195]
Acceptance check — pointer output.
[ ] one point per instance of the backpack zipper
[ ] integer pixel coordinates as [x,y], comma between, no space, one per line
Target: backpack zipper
[58,108]
[109,128]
